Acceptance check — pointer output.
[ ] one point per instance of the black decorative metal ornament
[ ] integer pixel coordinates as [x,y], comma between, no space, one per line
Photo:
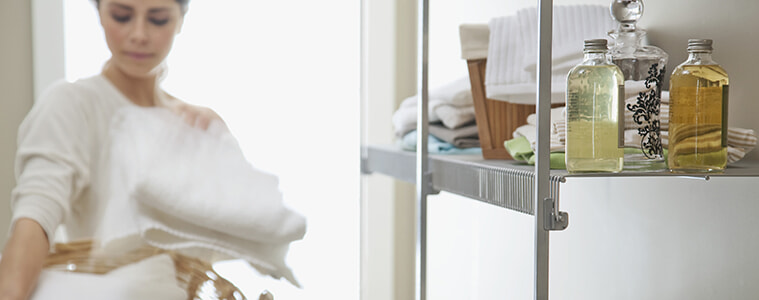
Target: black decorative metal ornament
[646,111]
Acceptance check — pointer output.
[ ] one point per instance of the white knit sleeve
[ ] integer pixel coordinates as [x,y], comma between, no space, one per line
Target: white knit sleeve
[52,161]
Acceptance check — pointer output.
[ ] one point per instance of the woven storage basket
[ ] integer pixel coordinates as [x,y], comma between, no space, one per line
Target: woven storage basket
[496,120]
[196,276]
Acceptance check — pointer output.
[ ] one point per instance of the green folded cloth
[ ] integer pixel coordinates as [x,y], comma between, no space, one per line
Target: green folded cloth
[519,148]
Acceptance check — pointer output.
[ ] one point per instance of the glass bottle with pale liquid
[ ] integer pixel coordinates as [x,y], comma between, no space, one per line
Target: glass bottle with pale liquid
[698,112]
[594,91]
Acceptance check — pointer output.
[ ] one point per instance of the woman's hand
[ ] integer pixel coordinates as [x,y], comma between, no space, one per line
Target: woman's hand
[22,260]
[197,116]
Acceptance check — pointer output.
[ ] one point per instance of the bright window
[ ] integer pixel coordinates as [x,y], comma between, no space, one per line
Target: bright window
[285,77]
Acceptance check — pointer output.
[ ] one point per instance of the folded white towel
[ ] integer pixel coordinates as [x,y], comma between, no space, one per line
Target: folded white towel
[177,187]
[450,104]
[740,141]
[742,137]
[572,25]
[474,41]
[510,73]
[529,130]
[557,114]
[506,54]
[151,278]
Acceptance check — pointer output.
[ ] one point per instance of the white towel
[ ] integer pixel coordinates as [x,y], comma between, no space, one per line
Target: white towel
[450,104]
[740,141]
[151,278]
[572,25]
[510,73]
[474,41]
[557,114]
[529,130]
[180,188]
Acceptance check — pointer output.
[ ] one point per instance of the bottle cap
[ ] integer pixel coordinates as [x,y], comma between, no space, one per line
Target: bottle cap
[699,45]
[596,44]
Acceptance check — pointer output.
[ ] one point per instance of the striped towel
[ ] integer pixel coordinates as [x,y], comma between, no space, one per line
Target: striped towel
[510,73]
[529,130]
[740,141]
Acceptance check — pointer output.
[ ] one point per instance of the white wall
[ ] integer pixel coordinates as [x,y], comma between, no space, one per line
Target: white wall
[689,239]
[16,97]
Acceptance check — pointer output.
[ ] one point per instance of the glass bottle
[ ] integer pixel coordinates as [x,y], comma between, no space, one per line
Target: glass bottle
[698,112]
[594,88]
[643,67]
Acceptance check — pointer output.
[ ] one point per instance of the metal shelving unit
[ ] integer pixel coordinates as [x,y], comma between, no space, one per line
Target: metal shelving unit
[524,189]
[532,190]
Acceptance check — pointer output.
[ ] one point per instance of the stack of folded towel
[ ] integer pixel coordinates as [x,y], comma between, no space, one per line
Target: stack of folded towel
[511,69]
[151,278]
[524,144]
[176,187]
[740,141]
[452,126]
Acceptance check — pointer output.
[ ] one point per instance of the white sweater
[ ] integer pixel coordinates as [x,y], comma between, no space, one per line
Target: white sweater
[58,158]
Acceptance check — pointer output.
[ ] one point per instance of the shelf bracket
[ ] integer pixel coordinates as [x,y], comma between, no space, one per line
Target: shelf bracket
[364,164]
[431,190]
[555,220]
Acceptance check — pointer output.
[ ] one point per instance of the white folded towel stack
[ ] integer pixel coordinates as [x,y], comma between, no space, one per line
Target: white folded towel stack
[180,188]
[153,278]
[510,73]
[740,141]
[451,104]
[529,130]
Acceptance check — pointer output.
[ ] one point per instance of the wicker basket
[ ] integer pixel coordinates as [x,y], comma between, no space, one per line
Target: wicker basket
[192,274]
[496,120]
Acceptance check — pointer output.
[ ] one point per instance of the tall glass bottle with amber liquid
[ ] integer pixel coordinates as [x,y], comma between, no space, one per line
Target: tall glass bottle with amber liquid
[595,88]
[698,112]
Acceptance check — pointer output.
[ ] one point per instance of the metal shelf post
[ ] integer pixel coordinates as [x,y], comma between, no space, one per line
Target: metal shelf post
[423,177]
[542,165]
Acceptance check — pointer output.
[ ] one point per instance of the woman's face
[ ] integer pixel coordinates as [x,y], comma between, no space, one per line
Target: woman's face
[139,33]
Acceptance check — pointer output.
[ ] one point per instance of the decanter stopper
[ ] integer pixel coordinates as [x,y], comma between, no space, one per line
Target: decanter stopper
[627,13]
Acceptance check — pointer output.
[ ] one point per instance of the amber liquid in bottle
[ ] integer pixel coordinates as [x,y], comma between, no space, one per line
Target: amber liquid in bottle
[698,119]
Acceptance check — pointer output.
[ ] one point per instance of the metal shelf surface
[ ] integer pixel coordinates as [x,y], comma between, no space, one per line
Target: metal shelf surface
[505,183]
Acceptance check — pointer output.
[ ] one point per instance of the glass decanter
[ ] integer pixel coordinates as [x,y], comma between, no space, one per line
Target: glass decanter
[643,67]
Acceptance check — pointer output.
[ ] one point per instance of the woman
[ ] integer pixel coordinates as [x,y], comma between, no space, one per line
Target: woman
[60,140]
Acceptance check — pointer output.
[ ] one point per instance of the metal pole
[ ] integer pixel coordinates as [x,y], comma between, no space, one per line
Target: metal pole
[423,182]
[542,165]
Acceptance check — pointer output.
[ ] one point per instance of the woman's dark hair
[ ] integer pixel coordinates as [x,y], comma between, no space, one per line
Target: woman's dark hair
[182,4]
